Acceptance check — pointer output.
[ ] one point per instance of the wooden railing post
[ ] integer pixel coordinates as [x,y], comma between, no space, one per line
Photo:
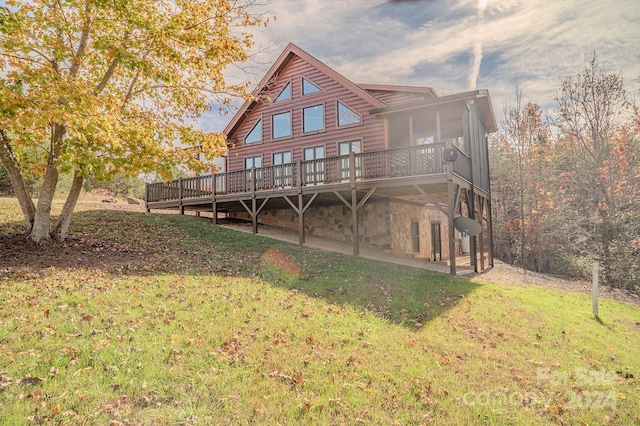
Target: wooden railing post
[352,169]
[180,191]
[299,171]
[252,180]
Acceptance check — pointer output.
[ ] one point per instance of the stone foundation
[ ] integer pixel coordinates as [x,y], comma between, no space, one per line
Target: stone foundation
[384,225]
[401,240]
[334,222]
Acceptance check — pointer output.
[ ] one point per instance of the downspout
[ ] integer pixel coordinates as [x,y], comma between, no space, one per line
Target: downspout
[490,212]
[472,205]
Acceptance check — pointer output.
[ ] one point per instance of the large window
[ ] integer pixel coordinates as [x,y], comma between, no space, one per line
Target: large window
[308,87]
[285,95]
[347,116]
[313,118]
[255,135]
[281,125]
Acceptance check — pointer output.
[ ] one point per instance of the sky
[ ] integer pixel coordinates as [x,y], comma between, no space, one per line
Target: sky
[455,45]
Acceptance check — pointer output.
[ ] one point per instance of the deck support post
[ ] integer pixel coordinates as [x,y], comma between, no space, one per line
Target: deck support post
[301,210]
[354,206]
[354,222]
[481,236]
[254,216]
[490,233]
[452,235]
[215,212]
[254,211]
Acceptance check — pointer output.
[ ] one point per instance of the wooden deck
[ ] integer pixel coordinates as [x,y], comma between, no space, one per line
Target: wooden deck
[417,175]
[402,172]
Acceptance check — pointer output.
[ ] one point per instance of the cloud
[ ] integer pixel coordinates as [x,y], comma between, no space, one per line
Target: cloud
[452,45]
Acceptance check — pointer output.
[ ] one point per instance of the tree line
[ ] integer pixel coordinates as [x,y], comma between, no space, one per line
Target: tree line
[566,187]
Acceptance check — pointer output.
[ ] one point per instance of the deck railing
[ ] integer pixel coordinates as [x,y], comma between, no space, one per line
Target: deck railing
[398,162]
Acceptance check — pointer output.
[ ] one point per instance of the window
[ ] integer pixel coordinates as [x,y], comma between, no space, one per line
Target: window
[285,95]
[250,162]
[281,158]
[313,118]
[314,153]
[347,116]
[424,138]
[281,125]
[255,135]
[344,148]
[308,88]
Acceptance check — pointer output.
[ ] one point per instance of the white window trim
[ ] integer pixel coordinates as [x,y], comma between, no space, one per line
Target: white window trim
[290,135]
[261,140]
[304,95]
[324,120]
[344,126]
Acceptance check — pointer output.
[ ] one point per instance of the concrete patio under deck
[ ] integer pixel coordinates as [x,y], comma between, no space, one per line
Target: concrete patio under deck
[366,250]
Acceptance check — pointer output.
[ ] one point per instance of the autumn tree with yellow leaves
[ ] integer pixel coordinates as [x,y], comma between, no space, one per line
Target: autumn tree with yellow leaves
[99,87]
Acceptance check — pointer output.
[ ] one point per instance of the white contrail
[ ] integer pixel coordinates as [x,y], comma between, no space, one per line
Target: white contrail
[477,47]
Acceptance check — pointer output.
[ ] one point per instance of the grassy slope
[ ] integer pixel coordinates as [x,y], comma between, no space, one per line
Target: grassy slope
[223,327]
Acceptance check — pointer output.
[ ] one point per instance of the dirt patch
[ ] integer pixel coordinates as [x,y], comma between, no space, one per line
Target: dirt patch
[19,256]
[281,261]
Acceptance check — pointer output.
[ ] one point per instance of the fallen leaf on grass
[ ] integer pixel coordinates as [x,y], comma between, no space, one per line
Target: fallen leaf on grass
[31,380]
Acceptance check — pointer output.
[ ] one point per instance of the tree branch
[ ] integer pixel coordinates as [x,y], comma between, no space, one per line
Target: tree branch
[84,39]
[107,75]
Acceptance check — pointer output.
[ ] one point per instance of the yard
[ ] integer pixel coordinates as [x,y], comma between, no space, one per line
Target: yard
[168,319]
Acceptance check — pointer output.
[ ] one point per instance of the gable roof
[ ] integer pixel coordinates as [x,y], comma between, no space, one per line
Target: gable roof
[481,95]
[283,60]
[402,89]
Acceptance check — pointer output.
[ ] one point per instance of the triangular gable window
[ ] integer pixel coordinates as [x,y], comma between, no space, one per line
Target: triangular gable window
[255,135]
[309,88]
[347,116]
[285,95]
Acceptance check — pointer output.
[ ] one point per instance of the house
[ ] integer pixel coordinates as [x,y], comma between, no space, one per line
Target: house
[389,166]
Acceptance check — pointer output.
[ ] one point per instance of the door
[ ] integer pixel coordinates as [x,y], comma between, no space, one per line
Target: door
[344,149]
[415,236]
[249,164]
[314,165]
[282,170]
[436,242]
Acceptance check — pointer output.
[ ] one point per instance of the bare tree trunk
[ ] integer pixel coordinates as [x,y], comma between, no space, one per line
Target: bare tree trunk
[42,221]
[64,220]
[17,181]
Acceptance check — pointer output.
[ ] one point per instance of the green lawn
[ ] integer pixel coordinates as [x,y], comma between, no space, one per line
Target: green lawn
[187,323]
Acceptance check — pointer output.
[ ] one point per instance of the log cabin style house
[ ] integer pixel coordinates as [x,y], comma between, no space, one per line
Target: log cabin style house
[383,165]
